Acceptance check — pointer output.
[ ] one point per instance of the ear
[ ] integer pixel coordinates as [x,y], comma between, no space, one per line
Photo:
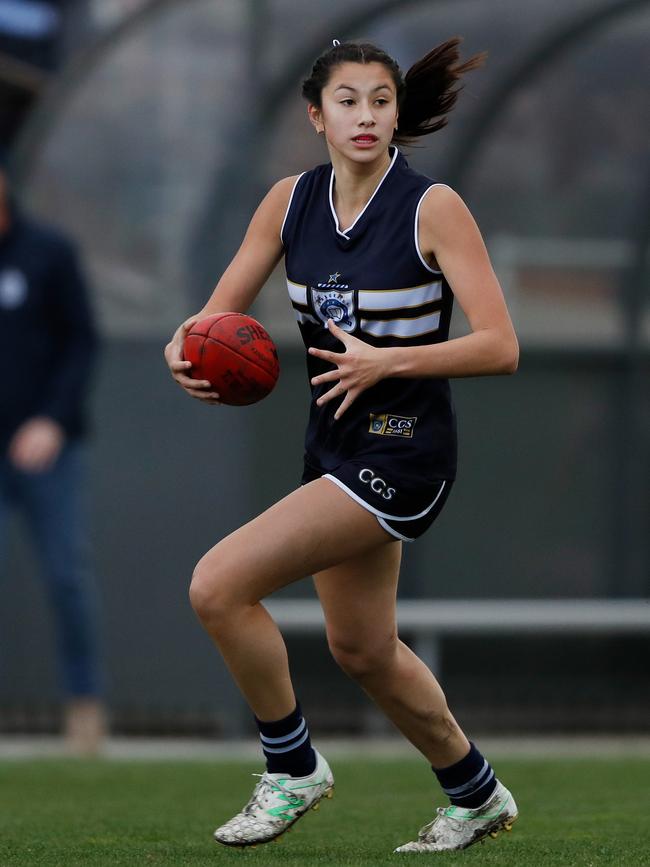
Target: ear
[316,118]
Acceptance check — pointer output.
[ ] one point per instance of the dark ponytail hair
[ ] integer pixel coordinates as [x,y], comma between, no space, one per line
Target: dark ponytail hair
[425,95]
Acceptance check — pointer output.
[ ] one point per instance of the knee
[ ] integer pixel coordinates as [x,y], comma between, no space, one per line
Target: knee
[362,660]
[210,593]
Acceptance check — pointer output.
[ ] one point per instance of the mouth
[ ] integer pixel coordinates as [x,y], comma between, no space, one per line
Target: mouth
[365,139]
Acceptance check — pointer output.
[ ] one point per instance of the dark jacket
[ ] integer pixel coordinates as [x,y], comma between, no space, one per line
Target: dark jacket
[48,341]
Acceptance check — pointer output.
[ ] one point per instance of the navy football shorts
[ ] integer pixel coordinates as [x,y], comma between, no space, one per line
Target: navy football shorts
[405,506]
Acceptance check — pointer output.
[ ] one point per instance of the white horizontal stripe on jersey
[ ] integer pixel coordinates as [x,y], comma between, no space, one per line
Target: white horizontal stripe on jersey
[297,292]
[400,299]
[402,327]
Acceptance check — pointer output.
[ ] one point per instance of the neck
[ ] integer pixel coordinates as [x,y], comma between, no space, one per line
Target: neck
[356,182]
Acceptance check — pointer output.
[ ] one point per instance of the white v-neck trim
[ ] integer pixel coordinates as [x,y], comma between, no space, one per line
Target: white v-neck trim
[344,233]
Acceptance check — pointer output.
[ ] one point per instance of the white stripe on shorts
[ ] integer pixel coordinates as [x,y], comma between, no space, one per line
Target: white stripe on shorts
[375,511]
[393,532]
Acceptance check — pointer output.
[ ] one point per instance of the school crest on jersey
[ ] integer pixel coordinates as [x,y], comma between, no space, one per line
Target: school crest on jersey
[389,425]
[334,303]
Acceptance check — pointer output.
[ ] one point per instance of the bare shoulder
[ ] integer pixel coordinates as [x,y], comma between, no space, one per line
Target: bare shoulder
[273,207]
[446,223]
[442,202]
[280,193]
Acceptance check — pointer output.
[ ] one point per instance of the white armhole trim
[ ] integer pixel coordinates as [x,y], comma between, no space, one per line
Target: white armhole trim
[286,213]
[415,232]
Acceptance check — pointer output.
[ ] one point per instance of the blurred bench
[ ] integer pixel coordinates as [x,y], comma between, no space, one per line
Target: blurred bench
[426,621]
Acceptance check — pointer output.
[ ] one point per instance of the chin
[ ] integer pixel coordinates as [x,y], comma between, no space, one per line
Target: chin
[369,155]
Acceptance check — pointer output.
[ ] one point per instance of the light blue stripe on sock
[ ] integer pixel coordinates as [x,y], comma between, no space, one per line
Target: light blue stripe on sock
[472,784]
[476,788]
[284,738]
[286,749]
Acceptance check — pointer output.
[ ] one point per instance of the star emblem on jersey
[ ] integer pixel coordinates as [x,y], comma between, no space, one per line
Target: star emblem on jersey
[334,281]
[335,304]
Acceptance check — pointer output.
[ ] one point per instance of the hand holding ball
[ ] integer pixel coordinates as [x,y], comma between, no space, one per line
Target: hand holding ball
[235,354]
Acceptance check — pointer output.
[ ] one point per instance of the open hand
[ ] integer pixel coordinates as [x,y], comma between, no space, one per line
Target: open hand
[358,367]
[36,445]
[198,388]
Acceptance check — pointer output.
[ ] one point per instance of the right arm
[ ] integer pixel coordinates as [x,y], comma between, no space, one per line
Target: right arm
[260,252]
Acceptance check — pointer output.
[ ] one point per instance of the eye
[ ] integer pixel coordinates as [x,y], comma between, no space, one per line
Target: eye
[347,101]
[381,100]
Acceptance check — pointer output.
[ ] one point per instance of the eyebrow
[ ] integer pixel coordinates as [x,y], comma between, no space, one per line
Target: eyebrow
[349,87]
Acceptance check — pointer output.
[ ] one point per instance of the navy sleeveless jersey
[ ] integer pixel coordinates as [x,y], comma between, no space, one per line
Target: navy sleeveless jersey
[372,280]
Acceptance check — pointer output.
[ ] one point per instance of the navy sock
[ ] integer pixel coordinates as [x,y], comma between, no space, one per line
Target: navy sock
[286,745]
[468,783]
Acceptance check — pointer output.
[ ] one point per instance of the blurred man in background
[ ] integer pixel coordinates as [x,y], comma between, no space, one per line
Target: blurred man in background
[47,349]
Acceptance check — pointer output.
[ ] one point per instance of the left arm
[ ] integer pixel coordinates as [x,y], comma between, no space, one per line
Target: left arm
[36,444]
[449,236]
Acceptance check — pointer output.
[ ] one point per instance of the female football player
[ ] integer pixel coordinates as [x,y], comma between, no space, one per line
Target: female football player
[374,254]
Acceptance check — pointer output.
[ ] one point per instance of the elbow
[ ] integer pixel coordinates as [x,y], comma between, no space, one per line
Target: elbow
[506,357]
[510,361]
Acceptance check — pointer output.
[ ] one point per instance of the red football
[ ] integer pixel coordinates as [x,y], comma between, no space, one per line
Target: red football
[235,353]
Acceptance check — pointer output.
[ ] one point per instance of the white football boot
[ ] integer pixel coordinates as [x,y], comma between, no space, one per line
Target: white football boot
[278,801]
[459,827]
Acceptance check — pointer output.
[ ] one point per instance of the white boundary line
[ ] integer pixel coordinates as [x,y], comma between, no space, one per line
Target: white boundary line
[18,747]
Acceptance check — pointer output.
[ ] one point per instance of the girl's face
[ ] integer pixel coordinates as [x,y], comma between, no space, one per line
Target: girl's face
[359,111]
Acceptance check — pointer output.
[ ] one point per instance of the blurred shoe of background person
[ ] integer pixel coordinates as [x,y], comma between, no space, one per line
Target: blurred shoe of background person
[48,346]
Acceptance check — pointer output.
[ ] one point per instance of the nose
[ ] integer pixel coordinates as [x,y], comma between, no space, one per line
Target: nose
[365,115]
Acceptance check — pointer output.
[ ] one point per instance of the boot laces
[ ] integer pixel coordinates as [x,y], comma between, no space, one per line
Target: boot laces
[441,813]
[264,790]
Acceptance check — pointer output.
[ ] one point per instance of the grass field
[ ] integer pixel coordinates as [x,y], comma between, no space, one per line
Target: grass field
[576,812]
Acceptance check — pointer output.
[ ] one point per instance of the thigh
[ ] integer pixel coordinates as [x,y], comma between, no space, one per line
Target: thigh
[313,528]
[359,598]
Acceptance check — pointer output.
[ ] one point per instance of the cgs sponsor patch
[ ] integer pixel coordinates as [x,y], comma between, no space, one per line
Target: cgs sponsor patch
[388,425]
